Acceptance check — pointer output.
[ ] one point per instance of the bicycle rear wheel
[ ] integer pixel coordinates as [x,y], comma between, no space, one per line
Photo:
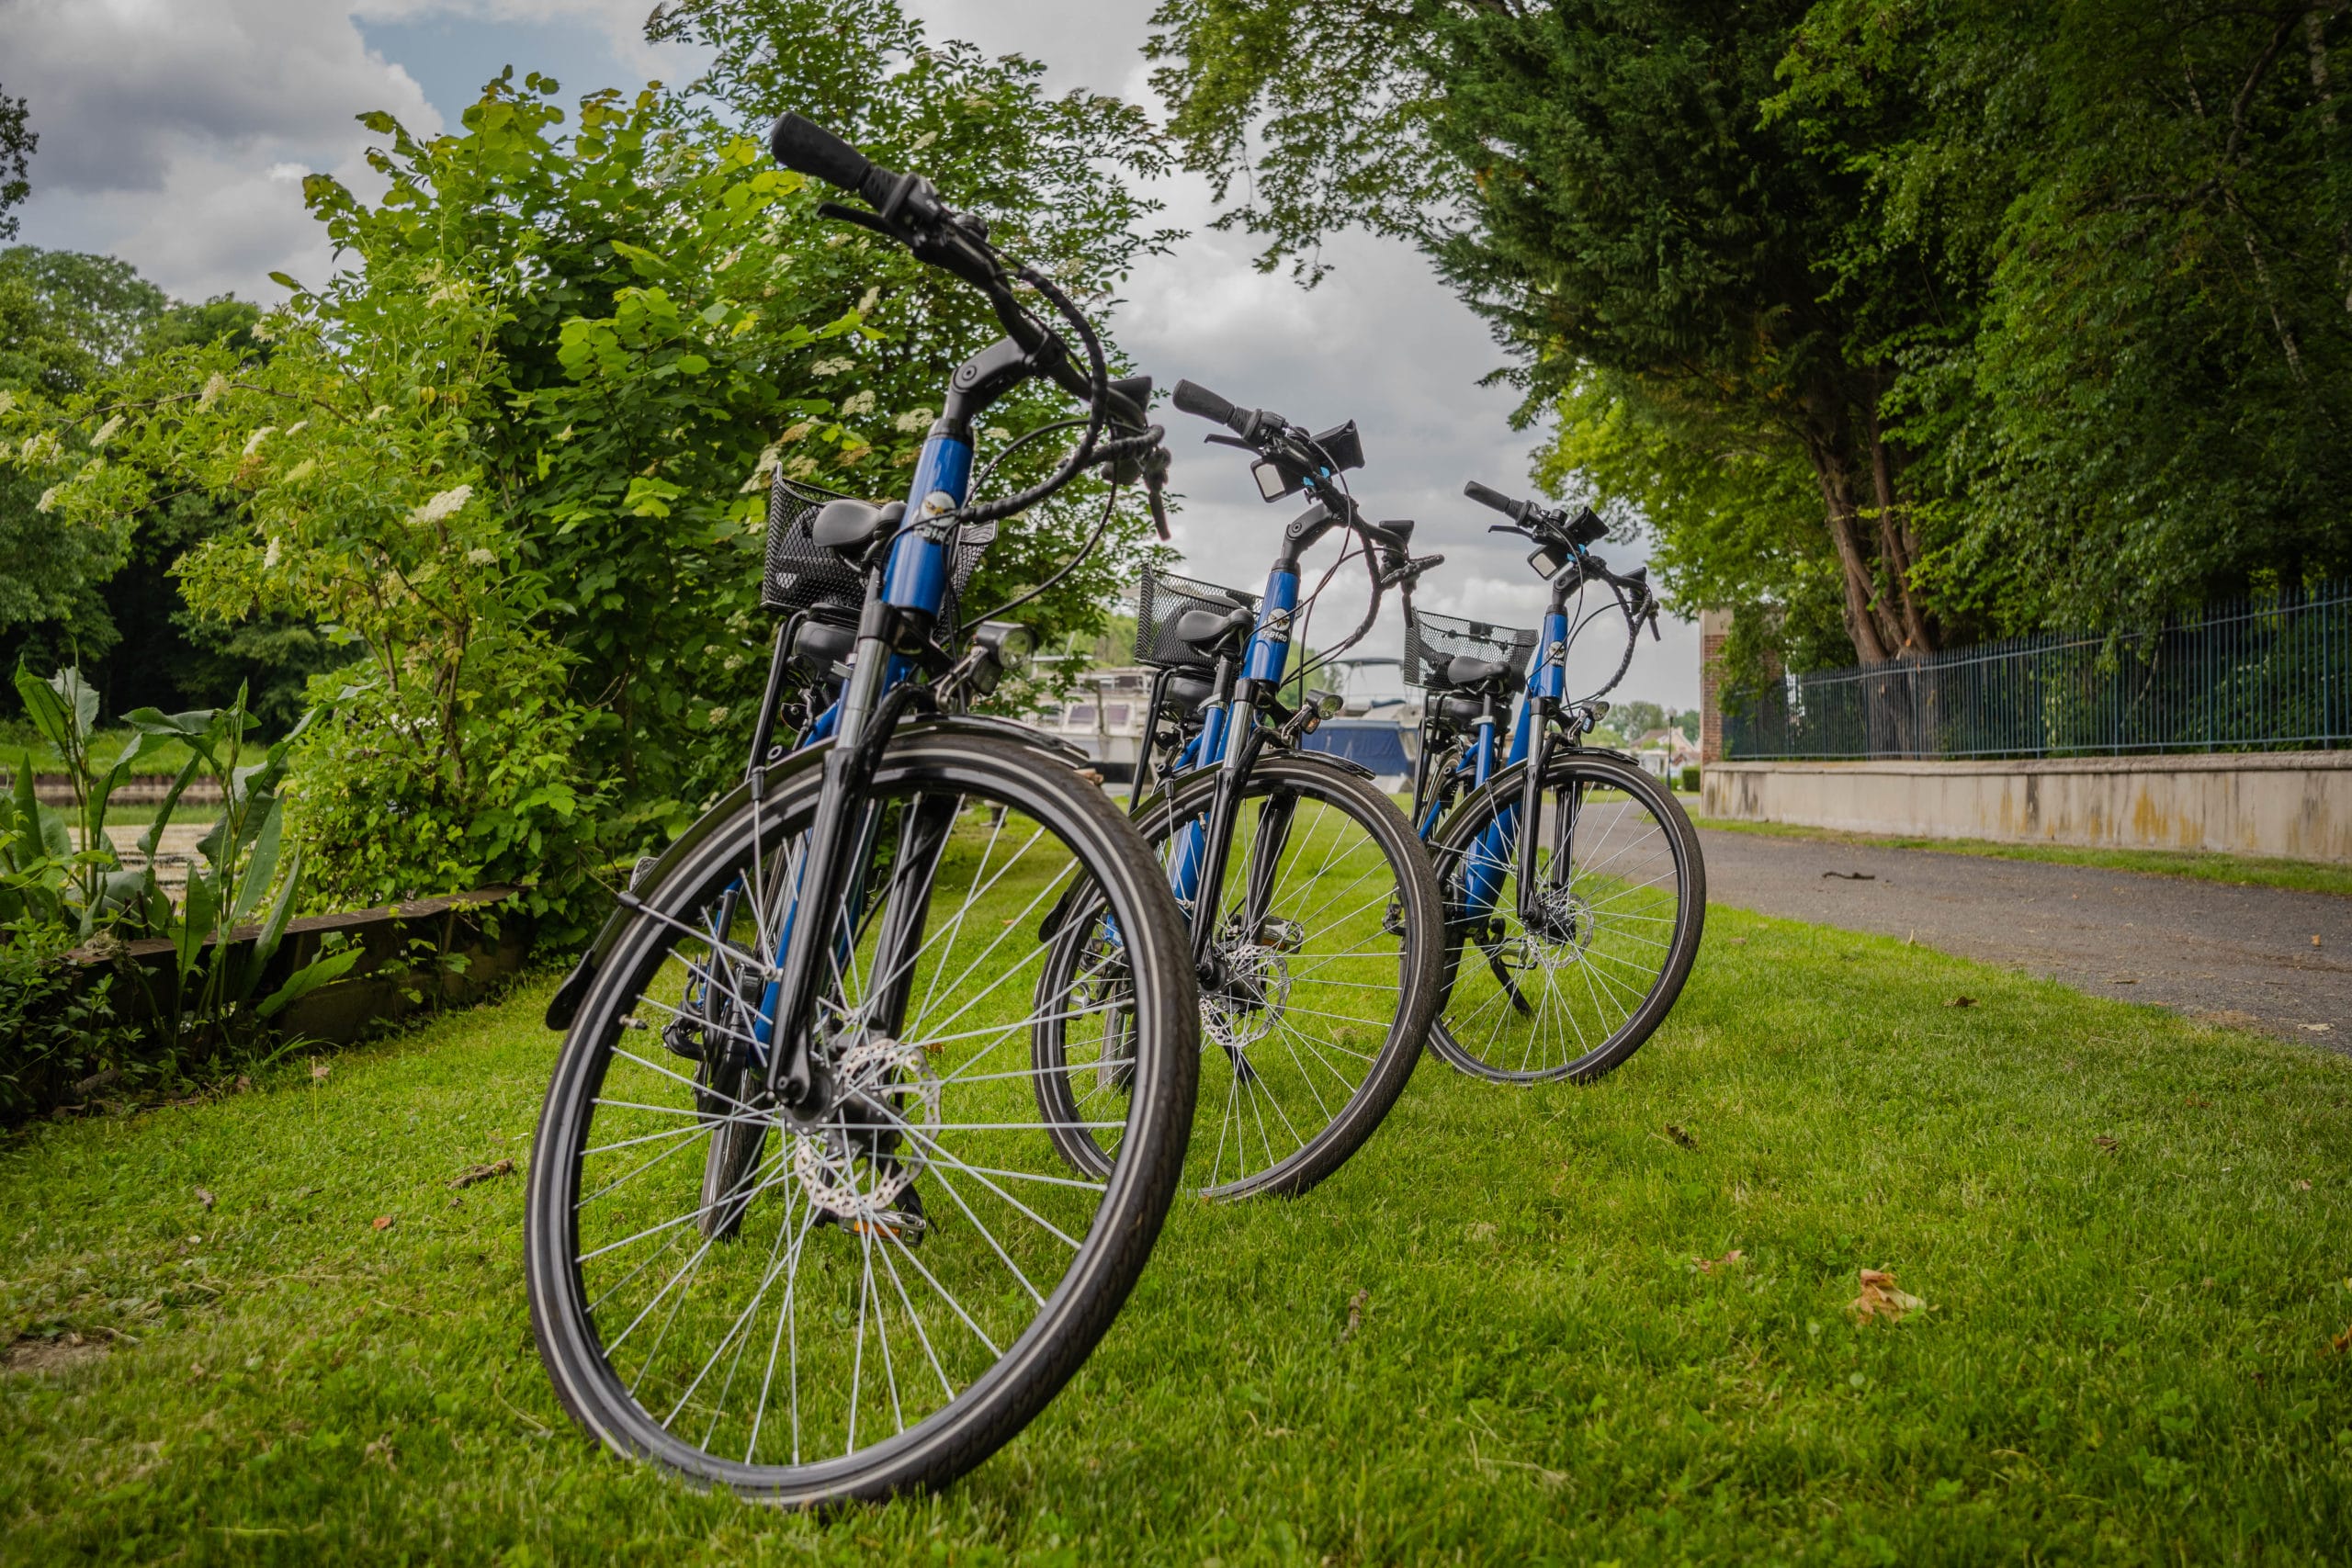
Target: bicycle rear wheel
[877,1294]
[1620,900]
[1327,974]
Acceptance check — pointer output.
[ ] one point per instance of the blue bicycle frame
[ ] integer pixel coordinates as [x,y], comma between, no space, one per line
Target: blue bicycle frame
[915,579]
[1261,661]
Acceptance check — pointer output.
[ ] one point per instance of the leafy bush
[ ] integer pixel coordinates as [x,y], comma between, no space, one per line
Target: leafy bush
[207,1005]
[57,1027]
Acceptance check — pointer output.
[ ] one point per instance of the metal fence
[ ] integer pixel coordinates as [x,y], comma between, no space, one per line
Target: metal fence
[2269,673]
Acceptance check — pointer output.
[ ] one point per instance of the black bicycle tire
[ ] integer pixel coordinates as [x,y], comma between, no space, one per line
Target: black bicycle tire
[1461,827]
[1418,996]
[1004,1399]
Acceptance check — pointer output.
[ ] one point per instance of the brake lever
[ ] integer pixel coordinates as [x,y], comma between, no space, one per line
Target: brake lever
[1216,439]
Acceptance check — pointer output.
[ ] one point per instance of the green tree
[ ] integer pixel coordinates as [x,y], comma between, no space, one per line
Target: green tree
[18,142]
[2144,214]
[1599,179]
[1946,316]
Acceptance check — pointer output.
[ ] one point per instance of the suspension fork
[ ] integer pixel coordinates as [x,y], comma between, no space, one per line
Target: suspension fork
[1244,737]
[868,715]
[1530,814]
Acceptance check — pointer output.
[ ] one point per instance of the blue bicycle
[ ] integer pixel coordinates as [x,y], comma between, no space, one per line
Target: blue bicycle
[1316,929]
[1574,889]
[795,1224]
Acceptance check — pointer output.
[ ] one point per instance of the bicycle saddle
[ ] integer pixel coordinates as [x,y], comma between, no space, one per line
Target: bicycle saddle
[1204,629]
[847,527]
[1463,672]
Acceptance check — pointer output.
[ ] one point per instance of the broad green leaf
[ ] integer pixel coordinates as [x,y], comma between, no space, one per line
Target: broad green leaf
[195,923]
[254,880]
[273,927]
[187,725]
[46,709]
[79,697]
[309,978]
[155,833]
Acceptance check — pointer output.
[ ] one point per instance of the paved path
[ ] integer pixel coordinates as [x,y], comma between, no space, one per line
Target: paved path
[2240,955]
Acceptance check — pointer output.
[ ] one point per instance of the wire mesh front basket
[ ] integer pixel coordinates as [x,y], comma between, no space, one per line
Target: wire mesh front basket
[1164,597]
[1433,642]
[801,574]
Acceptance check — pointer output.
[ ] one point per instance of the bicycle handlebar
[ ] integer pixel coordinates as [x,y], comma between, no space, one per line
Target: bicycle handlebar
[906,209]
[803,144]
[1193,398]
[1514,509]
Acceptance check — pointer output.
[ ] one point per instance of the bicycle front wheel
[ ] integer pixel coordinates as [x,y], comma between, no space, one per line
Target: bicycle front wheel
[1325,975]
[875,1291]
[1618,897]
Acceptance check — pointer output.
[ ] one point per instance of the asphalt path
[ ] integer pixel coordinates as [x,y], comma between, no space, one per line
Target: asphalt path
[2237,955]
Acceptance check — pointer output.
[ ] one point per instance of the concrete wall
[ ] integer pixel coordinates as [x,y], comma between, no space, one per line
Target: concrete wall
[2295,804]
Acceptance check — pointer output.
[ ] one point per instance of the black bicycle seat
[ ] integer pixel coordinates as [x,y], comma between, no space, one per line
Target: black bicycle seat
[1466,673]
[1204,629]
[848,527]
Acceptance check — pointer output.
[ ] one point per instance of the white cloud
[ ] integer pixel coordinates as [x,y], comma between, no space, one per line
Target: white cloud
[174,133]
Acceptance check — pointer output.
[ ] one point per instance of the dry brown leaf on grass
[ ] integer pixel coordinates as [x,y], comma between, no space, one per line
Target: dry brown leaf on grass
[1680,1136]
[2107,1145]
[474,1173]
[1961,1002]
[1356,1303]
[204,1198]
[318,1071]
[383,1222]
[1882,1298]
[2342,1342]
[1709,1265]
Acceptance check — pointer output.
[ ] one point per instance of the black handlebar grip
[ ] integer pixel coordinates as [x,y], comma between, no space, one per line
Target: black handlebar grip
[1193,398]
[1515,509]
[805,145]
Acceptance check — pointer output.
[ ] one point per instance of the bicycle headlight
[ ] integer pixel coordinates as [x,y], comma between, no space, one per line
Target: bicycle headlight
[1327,704]
[1008,646]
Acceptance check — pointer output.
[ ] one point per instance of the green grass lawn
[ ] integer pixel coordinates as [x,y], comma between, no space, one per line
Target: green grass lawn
[1491,1338]
[2245,871]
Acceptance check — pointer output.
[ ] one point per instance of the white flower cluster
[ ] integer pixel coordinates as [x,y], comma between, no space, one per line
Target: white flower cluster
[441,506]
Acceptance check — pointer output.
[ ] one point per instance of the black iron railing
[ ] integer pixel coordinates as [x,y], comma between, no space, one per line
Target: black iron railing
[2269,673]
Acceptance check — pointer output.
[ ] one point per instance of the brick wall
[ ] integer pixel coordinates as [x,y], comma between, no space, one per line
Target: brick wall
[1714,626]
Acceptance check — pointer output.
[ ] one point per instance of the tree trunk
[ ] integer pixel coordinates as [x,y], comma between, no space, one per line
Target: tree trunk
[1898,546]
[1873,641]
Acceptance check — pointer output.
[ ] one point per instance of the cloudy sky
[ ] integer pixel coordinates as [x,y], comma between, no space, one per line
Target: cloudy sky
[174,133]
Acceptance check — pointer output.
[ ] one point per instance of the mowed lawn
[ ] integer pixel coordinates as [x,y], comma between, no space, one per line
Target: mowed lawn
[1514,1329]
